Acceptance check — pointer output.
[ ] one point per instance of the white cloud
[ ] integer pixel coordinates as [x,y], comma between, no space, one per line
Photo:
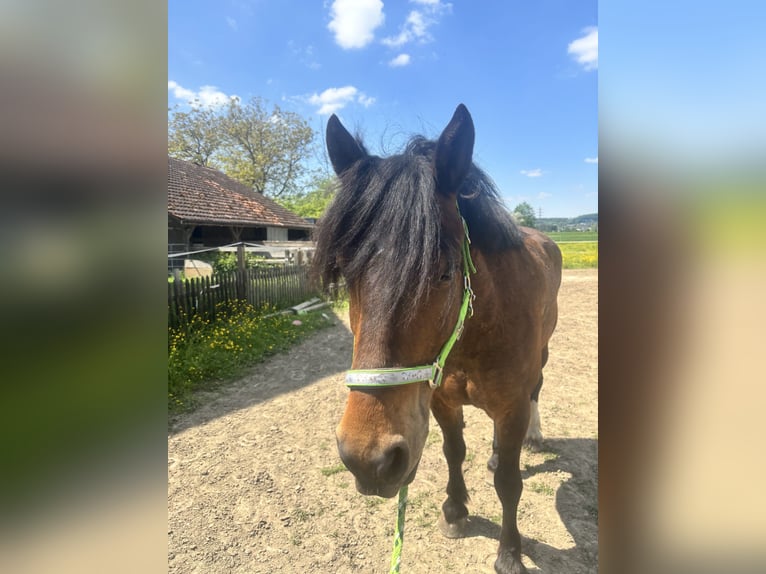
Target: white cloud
[585,49]
[399,61]
[591,159]
[366,101]
[179,92]
[334,99]
[354,22]
[206,97]
[544,195]
[231,22]
[415,27]
[532,172]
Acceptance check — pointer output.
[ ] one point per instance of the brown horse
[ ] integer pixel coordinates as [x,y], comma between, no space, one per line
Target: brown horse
[394,233]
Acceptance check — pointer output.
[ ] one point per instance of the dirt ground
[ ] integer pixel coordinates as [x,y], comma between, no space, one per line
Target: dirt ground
[255,484]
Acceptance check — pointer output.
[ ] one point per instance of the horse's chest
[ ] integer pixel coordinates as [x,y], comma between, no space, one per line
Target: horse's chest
[459,389]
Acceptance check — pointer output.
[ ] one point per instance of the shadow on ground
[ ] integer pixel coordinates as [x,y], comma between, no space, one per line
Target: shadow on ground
[576,503]
[323,354]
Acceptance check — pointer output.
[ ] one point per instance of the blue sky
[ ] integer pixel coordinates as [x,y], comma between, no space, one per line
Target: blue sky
[527,71]
[685,81]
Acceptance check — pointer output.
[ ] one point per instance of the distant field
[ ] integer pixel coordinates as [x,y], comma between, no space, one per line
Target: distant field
[579,255]
[578,248]
[559,236]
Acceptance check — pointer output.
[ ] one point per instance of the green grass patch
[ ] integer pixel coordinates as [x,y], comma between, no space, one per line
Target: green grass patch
[204,353]
[424,510]
[434,436]
[330,470]
[559,236]
[371,502]
[549,456]
[540,488]
[579,255]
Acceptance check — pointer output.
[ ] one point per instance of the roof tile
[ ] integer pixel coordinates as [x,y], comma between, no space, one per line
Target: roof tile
[198,194]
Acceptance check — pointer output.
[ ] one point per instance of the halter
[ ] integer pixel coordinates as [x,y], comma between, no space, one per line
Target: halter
[394,377]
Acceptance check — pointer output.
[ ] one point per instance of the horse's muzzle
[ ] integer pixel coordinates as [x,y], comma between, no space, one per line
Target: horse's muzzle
[380,472]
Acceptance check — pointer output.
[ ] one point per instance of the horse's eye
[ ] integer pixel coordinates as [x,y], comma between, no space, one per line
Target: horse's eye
[446,276]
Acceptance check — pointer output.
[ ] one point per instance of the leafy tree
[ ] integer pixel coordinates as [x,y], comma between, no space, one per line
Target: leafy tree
[196,135]
[265,149]
[524,214]
[315,202]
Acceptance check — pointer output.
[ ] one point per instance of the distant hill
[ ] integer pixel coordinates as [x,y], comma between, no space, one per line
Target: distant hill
[587,222]
[585,218]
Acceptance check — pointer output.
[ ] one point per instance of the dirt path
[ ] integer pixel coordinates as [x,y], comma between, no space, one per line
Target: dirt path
[255,483]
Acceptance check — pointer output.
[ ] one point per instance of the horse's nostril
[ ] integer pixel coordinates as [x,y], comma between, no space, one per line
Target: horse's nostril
[387,467]
[392,464]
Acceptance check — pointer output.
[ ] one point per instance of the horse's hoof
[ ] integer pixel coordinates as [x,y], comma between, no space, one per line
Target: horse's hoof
[492,463]
[455,529]
[507,564]
[534,443]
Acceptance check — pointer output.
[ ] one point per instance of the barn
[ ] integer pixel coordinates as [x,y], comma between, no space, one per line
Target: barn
[207,208]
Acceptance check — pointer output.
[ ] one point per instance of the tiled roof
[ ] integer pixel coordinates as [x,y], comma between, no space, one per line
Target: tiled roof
[199,194]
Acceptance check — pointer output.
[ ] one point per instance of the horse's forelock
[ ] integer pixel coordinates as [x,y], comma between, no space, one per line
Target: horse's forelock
[386,216]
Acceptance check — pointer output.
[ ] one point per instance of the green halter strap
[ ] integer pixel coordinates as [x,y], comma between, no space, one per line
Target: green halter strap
[392,377]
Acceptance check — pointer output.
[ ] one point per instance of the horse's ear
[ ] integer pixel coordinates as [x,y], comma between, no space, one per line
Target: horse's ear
[341,146]
[454,152]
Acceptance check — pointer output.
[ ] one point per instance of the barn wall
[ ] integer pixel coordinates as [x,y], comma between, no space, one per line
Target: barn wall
[276,234]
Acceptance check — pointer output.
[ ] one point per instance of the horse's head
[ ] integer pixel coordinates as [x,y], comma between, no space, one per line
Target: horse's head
[395,234]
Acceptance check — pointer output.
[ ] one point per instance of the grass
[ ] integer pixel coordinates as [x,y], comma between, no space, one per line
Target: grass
[579,249]
[559,236]
[549,456]
[579,255]
[372,502]
[204,353]
[301,515]
[434,436]
[540,488]
[330,470]
[424,509]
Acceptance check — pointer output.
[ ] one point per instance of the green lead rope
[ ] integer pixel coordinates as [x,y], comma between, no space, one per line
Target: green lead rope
[396,556]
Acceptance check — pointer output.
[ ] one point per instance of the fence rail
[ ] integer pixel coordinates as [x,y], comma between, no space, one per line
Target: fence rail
[277,286]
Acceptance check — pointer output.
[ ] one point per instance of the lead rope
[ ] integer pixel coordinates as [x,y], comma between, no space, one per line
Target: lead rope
[468,268]
[396,556]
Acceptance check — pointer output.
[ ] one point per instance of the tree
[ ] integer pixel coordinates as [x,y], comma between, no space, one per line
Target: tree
[196,135]
[265,149]
[315,202]
[524,214]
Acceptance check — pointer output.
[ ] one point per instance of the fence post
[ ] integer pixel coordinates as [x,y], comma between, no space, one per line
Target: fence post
[241,275]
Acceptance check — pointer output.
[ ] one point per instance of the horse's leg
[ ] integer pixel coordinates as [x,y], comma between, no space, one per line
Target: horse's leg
[454,511]
[534,438]
[510,428]
[492,462]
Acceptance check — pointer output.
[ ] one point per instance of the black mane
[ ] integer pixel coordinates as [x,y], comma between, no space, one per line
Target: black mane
[386,209]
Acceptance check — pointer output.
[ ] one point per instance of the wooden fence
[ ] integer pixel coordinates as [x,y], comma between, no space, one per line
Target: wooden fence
[277,287]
